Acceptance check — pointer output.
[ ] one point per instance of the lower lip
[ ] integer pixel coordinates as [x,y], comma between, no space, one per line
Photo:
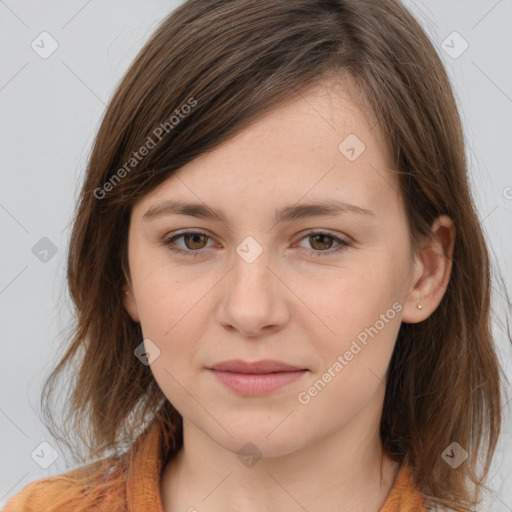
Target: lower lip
[255,384]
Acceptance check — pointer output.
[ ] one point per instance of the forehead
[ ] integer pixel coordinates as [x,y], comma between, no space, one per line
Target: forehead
[316,144]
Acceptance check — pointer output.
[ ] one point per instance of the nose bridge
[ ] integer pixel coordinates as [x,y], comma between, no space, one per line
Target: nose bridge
[251,297]
[251,264]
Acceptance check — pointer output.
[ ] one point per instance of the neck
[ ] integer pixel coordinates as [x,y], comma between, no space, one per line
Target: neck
[343,471]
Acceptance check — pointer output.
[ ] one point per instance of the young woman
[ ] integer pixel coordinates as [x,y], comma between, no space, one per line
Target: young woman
[282,288]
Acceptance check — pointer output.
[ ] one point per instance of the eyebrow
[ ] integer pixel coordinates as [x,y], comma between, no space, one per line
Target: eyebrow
[286,214]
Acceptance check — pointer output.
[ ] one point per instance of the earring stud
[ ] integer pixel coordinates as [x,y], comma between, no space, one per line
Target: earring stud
[419,306]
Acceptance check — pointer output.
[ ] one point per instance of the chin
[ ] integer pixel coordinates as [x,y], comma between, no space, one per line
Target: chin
[258,442]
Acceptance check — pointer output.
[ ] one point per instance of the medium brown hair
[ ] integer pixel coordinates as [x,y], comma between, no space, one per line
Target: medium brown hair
[232,61]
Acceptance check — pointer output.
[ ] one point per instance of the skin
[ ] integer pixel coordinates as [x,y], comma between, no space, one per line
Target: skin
[288,304]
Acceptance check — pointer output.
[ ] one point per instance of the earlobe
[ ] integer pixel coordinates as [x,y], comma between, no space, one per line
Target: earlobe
[129,303]
[433,270]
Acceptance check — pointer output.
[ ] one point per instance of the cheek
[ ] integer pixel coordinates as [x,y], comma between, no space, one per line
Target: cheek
[349,299]
[166,297]
[355,315]
[352,364]
[174,320]
[171,317]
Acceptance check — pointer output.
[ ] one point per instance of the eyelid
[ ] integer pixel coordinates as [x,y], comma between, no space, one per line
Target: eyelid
[168,239]
[342,242]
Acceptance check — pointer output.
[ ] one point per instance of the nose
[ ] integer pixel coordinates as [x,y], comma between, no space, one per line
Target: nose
[254,298]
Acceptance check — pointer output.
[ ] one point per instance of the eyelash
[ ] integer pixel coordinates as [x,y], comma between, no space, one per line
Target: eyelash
[168,241]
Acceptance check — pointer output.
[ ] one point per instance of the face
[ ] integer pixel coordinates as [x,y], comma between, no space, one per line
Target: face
[267,279]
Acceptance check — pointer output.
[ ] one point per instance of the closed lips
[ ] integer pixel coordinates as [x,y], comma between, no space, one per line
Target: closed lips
[261,367]
[257,378]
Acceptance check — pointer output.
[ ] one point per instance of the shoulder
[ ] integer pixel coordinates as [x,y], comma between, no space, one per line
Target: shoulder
[36,495]
[77,490]
[42,494]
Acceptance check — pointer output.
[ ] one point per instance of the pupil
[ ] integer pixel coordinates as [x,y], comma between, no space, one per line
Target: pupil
[316,237]
[194,238]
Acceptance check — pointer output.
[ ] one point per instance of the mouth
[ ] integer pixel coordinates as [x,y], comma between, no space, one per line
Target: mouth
[256,378]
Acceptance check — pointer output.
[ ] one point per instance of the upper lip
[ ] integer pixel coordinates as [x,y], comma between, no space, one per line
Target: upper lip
[263,366]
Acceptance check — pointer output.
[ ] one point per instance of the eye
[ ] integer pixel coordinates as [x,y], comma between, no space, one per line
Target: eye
[195,241]
[321,240]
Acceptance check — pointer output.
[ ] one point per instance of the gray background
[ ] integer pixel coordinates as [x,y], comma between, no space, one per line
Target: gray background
[50,110]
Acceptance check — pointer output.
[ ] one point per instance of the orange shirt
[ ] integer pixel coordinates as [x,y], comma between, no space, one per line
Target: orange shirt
[134,486]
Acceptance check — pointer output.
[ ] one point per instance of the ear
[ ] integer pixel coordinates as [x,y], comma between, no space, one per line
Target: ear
[432,272]
[129,302]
